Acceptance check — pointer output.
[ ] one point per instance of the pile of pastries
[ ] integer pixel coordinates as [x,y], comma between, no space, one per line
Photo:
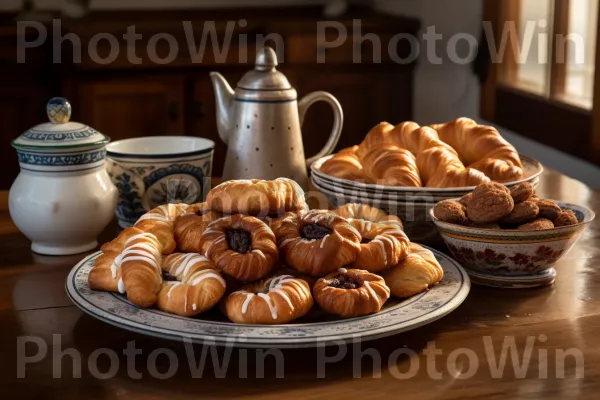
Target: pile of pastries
[455,154]
[255,249]
[494,206]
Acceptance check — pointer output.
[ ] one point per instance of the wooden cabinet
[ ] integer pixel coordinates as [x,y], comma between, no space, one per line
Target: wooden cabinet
[134,106]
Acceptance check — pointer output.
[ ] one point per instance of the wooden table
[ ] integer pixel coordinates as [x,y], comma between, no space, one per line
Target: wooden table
[563,317]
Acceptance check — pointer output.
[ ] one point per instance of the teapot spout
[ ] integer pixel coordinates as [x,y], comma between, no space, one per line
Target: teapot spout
[224,96]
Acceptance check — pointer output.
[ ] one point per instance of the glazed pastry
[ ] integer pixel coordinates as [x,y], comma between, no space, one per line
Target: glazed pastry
[351,293]
[106,273]
[189,227]
[416,273]
[391,165]
[277,300]
[382,246]
[318,243]
[368,213]
[141,272]
[482,148]
[196,286]
[241,246]
[275,222]
[159,222]
[257,197]
[346,165]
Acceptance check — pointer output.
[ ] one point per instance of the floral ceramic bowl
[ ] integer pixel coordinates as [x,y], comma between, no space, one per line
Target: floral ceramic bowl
[509,257]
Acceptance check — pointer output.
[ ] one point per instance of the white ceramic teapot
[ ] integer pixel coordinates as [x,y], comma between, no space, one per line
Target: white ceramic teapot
[63,197]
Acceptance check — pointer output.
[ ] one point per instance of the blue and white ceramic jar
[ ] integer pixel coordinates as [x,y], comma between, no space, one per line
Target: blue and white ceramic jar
[63,197]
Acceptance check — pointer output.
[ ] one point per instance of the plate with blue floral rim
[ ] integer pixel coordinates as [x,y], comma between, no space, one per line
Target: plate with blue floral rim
[315,329]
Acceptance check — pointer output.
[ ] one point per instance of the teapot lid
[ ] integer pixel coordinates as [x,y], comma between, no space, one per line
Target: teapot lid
[59,133]
[264,76]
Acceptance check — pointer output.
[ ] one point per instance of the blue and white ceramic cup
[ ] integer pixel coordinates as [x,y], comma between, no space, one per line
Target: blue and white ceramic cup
[155,170]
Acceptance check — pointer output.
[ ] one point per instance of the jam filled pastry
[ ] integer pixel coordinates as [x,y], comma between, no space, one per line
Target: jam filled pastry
[416,273]
[368,213]
[106,273]
[257,197]
[277,300]
[191,286]
[189,227]
[318,243]
[382,246]
[159,222]
[351,293]
[241,246]
[141,274]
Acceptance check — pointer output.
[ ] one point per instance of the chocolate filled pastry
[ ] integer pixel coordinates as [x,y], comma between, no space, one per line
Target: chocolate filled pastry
[276,300]
[382,246]
[241,246]
[351,293]
[418,271]
[368,213]
[191,284]
[318,243]
[189,227]
[275,222]
[257,197]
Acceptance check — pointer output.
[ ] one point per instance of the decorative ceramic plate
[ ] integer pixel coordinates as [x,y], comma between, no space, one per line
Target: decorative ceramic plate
[315,329]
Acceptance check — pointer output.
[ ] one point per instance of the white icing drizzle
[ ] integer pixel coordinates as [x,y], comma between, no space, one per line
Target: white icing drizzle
[272,306]
[114,266]
[305,240]
[342,270]
[260,253]
[249,297]
[121,286]
[381,246]
[206,274]
[173,284]
[194,306]
[286,241]
[353,229]
[323,241]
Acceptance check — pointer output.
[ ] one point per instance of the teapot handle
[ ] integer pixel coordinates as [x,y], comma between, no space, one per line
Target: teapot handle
[338,120]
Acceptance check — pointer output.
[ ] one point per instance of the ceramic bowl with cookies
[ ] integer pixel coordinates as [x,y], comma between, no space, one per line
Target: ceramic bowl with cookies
[407,168]
[509,237]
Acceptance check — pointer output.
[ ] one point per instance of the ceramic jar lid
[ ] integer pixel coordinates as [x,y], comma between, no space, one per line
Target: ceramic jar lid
[59,133]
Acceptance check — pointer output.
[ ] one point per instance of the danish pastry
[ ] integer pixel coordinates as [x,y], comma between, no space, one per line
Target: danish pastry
[368,213]
[189,227]
[318,243]
[382,246]
[241,246]
[418,271]
[197,285]
[159,222]
[351,293]
[346,165]
[276,300]
[257,197]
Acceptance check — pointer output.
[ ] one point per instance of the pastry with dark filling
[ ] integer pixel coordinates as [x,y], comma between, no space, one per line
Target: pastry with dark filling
[189,227]
[241,246]
[351,292]
[318,243]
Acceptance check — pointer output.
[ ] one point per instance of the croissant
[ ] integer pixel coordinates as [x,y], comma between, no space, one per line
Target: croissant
[257,197]
[277,300]
[188,228]
[197,288]
[106,273]
[391,165]
[159,222]
[318,243]
[346,165]
[351,293]
[483,148]
[140,264]
[368,213]
[442,168]
[241,246]
[383,246]
[416,273]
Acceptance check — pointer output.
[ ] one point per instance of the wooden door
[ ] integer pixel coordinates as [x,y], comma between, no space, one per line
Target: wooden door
[134,106]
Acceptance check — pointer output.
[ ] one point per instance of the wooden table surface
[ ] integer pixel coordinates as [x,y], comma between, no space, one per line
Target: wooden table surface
[547,326]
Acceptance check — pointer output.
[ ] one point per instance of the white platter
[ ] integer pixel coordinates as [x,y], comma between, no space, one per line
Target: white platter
[397,316]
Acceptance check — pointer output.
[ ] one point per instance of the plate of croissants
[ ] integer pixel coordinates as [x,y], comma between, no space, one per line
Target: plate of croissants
[460,154]
[254,267]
